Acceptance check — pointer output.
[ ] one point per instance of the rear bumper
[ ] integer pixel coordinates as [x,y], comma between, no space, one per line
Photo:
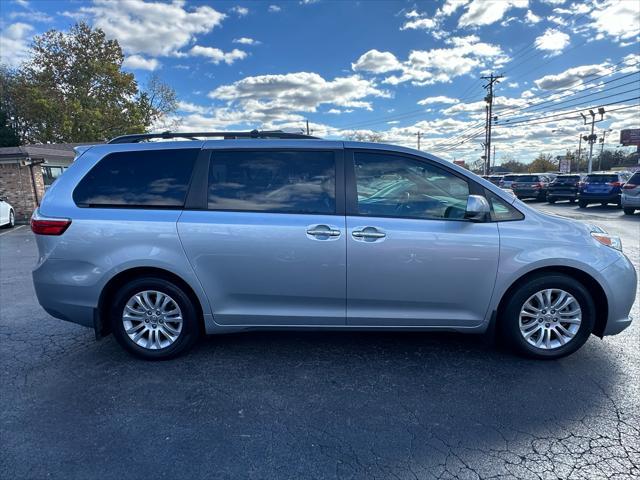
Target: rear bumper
[570,195]
[621,285]
[63,295]
[530,193]
[599,198]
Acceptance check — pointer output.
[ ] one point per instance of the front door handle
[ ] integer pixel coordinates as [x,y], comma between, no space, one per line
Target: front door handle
[323,230]
[368,232]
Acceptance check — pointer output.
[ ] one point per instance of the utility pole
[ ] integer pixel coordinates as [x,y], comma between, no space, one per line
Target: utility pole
[493,162]
[418,135]
[307,127]
[602,142]
[489,119]
[579,153]
[592,137]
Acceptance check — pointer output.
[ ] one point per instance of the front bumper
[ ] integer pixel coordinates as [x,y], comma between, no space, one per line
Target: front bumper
[620,282]
[629,201]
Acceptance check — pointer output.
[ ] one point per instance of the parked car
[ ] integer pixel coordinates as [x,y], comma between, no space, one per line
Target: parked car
[531,186]
[7,213]
[564,187]
[159,242]
[631,194]
[507,180]
[495,179]
[602,188]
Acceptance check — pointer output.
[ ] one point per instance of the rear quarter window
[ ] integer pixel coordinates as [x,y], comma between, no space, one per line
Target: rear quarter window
[146,179]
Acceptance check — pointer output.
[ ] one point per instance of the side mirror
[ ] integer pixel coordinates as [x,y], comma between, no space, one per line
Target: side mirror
[478,208]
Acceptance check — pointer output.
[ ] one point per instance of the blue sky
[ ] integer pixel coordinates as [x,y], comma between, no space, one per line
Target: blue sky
[390,67]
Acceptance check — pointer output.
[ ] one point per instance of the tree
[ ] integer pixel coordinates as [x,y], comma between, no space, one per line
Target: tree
[365,136]
[543,163]
[73,89]
[8,134]
[514,166]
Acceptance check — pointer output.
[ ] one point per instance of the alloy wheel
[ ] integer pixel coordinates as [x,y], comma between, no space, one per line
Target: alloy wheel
[550,318]
[152,319]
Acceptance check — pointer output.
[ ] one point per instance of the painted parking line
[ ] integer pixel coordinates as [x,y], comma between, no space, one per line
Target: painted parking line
[14,229]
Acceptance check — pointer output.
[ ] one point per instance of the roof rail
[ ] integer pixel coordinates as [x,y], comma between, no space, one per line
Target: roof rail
[139,137]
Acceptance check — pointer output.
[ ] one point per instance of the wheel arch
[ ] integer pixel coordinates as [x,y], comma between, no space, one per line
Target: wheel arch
[591,284]
[103,327]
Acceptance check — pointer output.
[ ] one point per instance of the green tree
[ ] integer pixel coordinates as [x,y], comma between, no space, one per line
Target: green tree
[514,166]
[543,163]
[8,134]
[73,89]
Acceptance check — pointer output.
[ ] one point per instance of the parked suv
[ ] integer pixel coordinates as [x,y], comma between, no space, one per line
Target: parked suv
[507,180]
[531,186]
[159,242]
[631,194]
[563,187]
[602,187]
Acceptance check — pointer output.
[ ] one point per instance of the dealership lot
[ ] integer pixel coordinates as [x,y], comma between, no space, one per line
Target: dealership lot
[311,405]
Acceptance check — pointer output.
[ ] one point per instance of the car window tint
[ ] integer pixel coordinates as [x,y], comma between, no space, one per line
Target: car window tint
[528,178]
[149,178]
[501,211]
[635,178]
[602,178]
[273,181]
[395,186]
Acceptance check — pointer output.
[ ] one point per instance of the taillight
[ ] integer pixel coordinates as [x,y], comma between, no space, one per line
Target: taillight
[629,186]
[48,226]
[615,184]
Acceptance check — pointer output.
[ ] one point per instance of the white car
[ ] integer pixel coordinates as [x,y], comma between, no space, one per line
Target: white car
[7,214]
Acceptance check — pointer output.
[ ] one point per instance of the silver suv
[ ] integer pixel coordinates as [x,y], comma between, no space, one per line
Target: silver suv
[161,242]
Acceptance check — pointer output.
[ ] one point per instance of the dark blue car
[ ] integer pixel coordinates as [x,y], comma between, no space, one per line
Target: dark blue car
[602,188]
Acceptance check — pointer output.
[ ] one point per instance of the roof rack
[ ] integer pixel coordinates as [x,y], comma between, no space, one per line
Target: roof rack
[139,137]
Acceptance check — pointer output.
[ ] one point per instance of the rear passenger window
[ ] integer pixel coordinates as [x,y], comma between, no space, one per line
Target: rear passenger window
[146,179]
[273,181]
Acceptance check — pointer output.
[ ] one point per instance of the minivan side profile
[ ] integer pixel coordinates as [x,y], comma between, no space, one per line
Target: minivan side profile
[161,242]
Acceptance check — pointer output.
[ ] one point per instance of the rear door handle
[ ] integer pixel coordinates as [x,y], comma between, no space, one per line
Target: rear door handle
[323,230]
[368,232]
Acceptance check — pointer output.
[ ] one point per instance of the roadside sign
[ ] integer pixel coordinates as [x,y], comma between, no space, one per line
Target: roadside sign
[565,165]
[630,136]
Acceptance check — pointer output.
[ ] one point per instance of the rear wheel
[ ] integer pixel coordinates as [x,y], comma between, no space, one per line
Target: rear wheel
[582,204]
[551,200]
[154,319]
[548,317]
[629,211]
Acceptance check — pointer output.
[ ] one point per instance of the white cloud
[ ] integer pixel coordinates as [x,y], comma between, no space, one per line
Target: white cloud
[22,3]
[571,77]
[151,28]
[552,40]
[240,11]
[438,99]
[375,61]
[616,18]
[276,98]
[531,18]
[216,55]
[246,41]
[191,108]
[138,62]
[14,44]
[274,8]
[440,65]
[513,84]
[486,12]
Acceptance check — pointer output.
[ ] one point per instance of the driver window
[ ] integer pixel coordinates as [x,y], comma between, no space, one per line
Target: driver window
[395,186]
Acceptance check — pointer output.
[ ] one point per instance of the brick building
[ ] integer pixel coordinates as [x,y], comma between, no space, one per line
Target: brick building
[26,171]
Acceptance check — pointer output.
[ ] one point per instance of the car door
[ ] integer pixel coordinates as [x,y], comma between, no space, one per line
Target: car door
[268,245]
[413,259]
[4,212]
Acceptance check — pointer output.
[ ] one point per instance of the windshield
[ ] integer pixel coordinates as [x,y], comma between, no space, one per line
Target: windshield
[510,178]
[528,178]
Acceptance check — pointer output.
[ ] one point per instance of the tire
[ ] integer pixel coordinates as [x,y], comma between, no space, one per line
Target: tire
[551,200]
[12,220]
[154,329]
[582,204]
[629,211]
[572,200]
[510,319]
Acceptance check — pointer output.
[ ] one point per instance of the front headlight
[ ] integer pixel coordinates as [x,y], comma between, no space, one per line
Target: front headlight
[608,240]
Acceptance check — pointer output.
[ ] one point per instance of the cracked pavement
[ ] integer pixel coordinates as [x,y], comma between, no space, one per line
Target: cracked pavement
[311,405]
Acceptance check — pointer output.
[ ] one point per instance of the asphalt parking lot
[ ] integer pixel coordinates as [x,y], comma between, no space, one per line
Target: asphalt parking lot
[311,405]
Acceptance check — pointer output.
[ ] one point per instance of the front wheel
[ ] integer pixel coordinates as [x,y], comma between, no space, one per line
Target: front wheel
[548,317]
[154,319]
[582,204]
[551,200]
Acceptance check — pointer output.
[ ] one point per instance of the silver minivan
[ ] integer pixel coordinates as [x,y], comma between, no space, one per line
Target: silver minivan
[161,242]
